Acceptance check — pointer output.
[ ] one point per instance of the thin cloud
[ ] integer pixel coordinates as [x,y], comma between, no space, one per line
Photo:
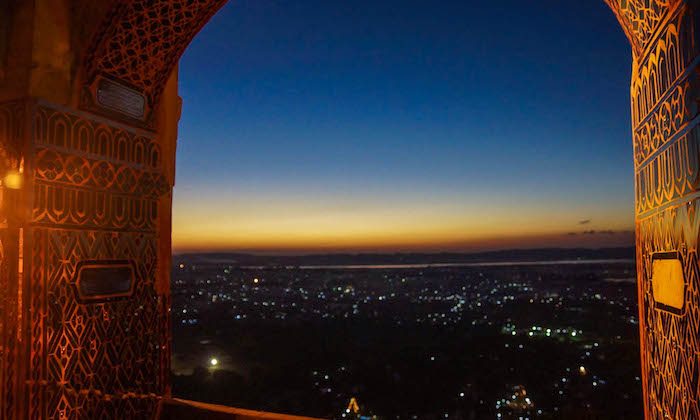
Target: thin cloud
[584,222]
[608,232]
[599,232]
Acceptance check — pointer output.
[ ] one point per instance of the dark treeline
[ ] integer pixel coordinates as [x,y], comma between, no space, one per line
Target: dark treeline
[520,255]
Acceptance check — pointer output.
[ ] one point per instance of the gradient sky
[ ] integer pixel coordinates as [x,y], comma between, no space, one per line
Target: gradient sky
[405,125]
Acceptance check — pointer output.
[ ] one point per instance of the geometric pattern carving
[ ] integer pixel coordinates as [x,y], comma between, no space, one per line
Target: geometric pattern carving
[640,19]
[670,343]
[665,90]
[653,100]
[92,209]
[673,174]
[63,168]
[662,105]
[92,137]
[140,42]
[86,357]
[96,192]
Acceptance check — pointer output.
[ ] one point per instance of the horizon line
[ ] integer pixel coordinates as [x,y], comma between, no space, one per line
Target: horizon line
[330,251]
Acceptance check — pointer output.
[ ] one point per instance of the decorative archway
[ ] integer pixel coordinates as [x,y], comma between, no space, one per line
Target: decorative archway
[88,116]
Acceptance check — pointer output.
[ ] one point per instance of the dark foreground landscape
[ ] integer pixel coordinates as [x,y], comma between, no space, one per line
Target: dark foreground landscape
[509,339]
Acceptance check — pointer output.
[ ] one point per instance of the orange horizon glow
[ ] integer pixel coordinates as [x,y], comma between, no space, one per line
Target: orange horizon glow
[284,225]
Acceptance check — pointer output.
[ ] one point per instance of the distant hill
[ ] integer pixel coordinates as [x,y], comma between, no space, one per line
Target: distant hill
[542,254]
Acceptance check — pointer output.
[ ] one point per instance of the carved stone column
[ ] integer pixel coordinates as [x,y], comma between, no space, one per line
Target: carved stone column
[665,93]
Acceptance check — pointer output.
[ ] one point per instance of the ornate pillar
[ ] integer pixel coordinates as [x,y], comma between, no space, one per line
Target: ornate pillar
[86,176]
[84,330]
[665,94]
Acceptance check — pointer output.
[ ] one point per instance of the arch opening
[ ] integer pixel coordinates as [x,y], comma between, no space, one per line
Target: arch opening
[95,119]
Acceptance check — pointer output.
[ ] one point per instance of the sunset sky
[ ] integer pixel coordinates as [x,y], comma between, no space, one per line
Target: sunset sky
[398,125]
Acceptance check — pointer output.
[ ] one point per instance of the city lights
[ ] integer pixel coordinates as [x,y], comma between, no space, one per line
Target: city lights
[428,300]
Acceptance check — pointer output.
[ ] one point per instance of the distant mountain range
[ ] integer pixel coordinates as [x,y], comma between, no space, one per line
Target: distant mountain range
[515,255]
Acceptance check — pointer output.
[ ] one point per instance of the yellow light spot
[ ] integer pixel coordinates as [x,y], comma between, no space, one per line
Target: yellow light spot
[213,362]
[13,180]
[256,281]
[667,282]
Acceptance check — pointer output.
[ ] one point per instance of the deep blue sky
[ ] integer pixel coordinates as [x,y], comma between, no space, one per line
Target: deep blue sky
[404,124]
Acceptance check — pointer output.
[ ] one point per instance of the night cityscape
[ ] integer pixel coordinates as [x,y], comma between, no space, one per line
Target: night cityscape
[497,340]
